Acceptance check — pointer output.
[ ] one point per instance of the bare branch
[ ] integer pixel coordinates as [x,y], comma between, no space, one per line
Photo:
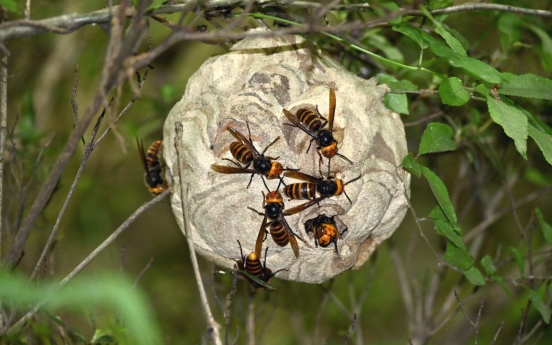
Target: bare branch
[506,210]
[462,309]
[69,23]
[75,87]
[351,330]
[87,152]
[497,332]
[93,255]
[142,272]
[475,6]
[228,310]
[112,76]
[3,127]
[213,327]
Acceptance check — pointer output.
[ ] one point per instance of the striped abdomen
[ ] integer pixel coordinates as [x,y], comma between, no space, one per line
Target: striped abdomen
[304,190]
[278,233]
[309,118]
[154,153]
[241,153]
[253,265]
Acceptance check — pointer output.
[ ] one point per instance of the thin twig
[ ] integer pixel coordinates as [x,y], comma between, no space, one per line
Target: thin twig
[250,323]
[521,325]
[462,309]
[497,332]
[93,255]
[406,294]
[319,316]
[71,22]
[87,152]
[351,330]
[213,327]
[227,309]
[473,6]
[338,303]
[74,104]
[506,210]
[476,326]
[28,10]
[113,75]
[3,127]
[142,272]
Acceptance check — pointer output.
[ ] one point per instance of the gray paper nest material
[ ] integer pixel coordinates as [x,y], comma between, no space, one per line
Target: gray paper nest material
[253,82]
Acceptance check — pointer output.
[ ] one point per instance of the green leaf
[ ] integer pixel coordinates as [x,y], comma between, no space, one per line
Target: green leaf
[518,258]
[257,280]
[455,253]
[102,337]
[474,276]
[412,32]
[437,137]
[463,41]
[475,116]
[539,304]
[452,92]
[437,4]
[536,176]
[500,282]
[156,4]
[410,165]
[544,141]
[62,324]
[441,194]
[475,68]
[546,46]
[168,93]
[396,102]
[546,228]
[86,293]
[451,40]
[394,84]
[526,85]
[482,90]
[444,228]
[512,120]
[488,266]
[391,6]
[509,26]
[381,43]
[27,131]
[458,257]
[9,5]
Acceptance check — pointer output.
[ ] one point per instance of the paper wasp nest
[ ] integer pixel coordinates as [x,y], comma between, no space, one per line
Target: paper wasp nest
[254,82]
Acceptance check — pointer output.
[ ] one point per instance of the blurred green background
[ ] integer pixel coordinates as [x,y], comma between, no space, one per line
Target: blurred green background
[41,80]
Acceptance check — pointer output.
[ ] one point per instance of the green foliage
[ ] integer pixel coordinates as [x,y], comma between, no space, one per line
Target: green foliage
[437,137]
[396,102]
[441,194]
[512,120]
[545,227]
[87,293]
[409,163]
[256,280]
[9,5]
[27,132]
[474,276]
[518,258]
[544,141]
[526,85]
[452,92]
[539,304]
[545,48]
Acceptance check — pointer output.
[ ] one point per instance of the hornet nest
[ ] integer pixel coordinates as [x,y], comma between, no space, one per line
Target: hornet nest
[252,84]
